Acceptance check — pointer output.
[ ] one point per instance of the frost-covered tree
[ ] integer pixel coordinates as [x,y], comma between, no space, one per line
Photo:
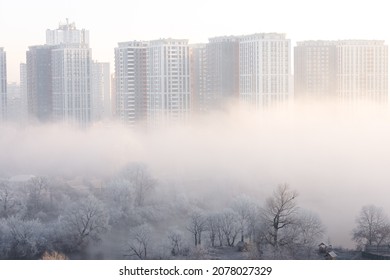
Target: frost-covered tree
[176,242]
[303,236]
[197,225]
[278,215]
[37,192]
[118,196]
[372,226]
[213,226]
[84,221]
[139,240]
[141,181]
[245,208]
[23,239]
[229,226]
[9,203]
[310,232]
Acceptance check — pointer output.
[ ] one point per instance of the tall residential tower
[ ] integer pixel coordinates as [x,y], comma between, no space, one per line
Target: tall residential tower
[222,62]
[71,60]
[39,83]
[348,70]
[152,82]
[3,84]
[168,81]
[198,64]
[101,91]
[265,70]
[131,82]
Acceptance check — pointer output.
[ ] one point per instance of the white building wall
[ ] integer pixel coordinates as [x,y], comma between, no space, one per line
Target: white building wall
[265,70]
[3,85]
[71,74]
[23,92]
[168,82]
[353,71]
[101,91]
[130,82]
[362,71]
[67,34]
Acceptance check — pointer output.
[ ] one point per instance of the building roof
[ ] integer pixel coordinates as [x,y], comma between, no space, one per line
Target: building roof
[332,254]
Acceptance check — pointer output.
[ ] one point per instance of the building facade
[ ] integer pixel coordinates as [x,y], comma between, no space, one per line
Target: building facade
[265,70]
[71,61]
[14,103]
[362,71]
[168,82]
[71,84]
[131,82]
[59,77]
[67,33]
[198,63]
[23,92]
[315,70]
[3,85]
[222,62]
[101,91]
[347,70]
[39,83]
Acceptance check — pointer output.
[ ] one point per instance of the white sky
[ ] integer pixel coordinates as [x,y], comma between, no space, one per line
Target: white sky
[23,22]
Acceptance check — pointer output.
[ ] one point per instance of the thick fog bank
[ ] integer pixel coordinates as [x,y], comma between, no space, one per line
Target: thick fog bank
[336,157]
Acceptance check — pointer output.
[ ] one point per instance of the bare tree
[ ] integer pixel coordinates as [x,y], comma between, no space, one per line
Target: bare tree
[139,242]
[213,226]
[37,188]
[175,239]
[197,226]
[84,221]
[8,200]
[311,230]
[372,226]
[244,206]
[229,226]
[302,237]
[279,213]
[119,198]
[142,182]
[23,239]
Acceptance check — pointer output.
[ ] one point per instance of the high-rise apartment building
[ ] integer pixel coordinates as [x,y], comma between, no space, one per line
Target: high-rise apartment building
[348,70]
[23,92]
[71,61]
[101,91]
[59,77]
[315,70]
[3,84]
[222,62]
[152,81]
[168,81]
[131,82]
[198,59]
[113,95]
[39,83]
[362,73]
[14,103]
[67,34]
[265,70]
[71,84]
